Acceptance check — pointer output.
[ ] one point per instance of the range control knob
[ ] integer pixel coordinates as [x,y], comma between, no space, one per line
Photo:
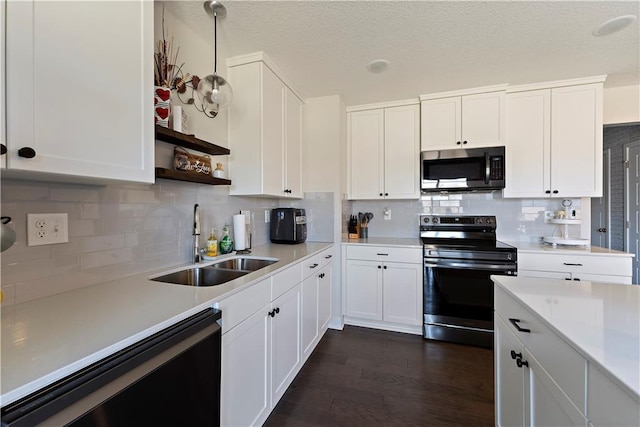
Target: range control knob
[435,220]
[478,220]
[426,220]
[489,221]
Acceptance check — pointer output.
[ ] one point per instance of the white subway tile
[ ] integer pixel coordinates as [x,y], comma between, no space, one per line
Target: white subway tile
[99,259]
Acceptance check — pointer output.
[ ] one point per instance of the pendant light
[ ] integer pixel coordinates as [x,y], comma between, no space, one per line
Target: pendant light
[214,91]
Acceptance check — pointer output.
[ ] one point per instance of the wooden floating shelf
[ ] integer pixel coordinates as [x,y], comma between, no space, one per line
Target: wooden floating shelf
[189,141]
[189,177]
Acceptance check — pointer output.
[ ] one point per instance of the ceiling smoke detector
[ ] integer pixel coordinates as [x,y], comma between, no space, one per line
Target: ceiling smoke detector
[378,66]
[614,25]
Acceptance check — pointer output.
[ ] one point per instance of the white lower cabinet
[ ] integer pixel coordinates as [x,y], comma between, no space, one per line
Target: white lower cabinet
[595,268]
[285,342]
[384,294]
[263,328]
[245,390]
[526,395]
[541,380]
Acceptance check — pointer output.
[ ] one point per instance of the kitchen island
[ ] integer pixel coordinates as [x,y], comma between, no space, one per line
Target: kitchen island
[46,339]
[566,353]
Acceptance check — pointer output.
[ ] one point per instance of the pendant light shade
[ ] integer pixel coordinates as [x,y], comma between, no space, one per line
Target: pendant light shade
[215,92]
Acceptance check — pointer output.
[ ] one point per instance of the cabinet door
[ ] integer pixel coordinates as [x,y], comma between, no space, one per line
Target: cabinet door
[401,152]
[402,293]
[273,118]
[309,313]
[528,147]
[324,298]
[364,289]
[546,404]
[293,147]
[441,123]
[576,141]
[508,376]
[285,342]
[483,119]
[244,398]
[84,104]
[366,162]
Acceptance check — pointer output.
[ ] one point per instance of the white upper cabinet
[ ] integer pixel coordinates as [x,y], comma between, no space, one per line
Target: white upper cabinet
[384,152]
[554,140]
[463,119]
[265,130]
[79,92]
[3,140]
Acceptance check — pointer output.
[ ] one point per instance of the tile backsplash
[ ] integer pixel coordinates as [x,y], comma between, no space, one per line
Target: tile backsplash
[124,229]
[519,220]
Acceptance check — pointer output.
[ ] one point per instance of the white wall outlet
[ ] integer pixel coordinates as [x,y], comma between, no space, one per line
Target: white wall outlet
[47,229]
[267,216]
[386,214]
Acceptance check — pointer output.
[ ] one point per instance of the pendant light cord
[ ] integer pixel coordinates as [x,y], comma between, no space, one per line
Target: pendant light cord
[215,43]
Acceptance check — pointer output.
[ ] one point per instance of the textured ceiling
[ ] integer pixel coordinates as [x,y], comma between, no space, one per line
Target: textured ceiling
[325,46]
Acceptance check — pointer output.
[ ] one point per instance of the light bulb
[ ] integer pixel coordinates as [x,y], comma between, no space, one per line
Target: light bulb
[215,92]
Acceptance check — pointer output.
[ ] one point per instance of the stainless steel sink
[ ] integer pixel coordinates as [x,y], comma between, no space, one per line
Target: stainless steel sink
[201,276]
[246,264]
[215,274]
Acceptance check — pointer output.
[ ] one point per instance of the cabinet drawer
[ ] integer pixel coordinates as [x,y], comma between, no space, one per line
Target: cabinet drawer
[563,363]
[240,306]
[286,280]
[326,256]
[310,266]
[604,265]
[384,253]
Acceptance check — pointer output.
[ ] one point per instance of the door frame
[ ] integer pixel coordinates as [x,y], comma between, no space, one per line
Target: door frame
[606,195]
[626,204]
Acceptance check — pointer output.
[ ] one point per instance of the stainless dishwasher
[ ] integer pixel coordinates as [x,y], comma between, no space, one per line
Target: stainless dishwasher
[170,378]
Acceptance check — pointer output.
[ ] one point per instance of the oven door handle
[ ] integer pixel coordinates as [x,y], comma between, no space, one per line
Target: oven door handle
[469,265]
[487,167]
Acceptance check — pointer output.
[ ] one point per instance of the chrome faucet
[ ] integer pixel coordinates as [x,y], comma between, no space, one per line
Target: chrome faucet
[196,234]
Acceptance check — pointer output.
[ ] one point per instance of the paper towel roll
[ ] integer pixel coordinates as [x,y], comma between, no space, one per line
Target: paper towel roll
[239,232]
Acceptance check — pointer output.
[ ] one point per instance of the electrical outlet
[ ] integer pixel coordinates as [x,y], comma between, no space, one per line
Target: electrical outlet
[386,214]
[47,229]
[267,216]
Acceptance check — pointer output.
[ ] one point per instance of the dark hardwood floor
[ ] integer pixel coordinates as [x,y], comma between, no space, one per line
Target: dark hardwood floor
[366,377]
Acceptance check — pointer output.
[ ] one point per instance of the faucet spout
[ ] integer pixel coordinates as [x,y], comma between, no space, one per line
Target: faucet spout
[196,234]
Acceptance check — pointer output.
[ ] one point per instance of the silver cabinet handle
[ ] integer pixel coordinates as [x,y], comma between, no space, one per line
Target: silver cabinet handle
[382,254]
[572,264]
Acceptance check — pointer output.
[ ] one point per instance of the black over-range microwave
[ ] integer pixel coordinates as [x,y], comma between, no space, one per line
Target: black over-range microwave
[474,169]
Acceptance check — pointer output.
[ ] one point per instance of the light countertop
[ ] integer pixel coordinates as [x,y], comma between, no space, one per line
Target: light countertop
[414,242]
[569,250]
[599,320]
[46,339]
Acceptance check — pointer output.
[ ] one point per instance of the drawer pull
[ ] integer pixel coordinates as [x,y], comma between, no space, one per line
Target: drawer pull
[328,256]
[521,363]
[382,254]
[515,355]
[514,322]
[314,265]
[572,264]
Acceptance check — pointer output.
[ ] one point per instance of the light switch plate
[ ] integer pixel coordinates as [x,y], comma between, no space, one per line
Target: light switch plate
[267,216]
[47,229]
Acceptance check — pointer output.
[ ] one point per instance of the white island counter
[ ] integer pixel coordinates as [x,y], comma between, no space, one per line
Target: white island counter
[577,344]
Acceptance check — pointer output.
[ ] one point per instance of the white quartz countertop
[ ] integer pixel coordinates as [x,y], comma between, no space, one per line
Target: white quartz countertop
[413,242]
[569,250]
[46,339]
[599,320]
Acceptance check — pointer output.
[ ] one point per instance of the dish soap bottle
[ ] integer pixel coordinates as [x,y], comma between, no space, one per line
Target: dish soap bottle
[226,244]
[212,244]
